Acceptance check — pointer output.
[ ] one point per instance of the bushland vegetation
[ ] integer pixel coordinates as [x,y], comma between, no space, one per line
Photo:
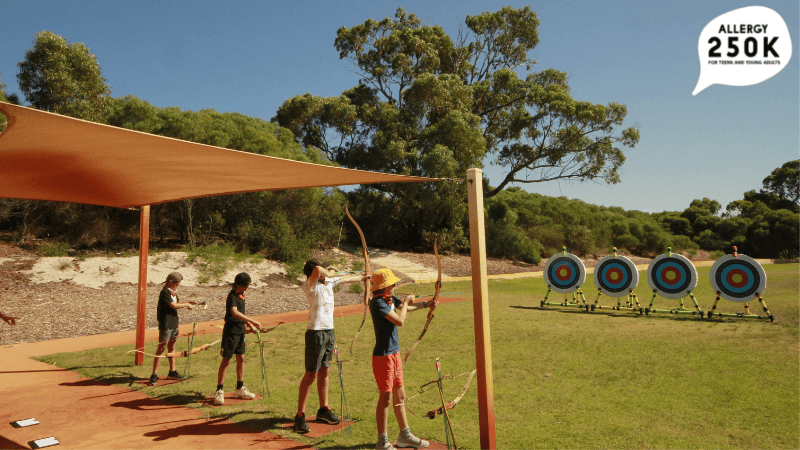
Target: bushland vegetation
[435,113]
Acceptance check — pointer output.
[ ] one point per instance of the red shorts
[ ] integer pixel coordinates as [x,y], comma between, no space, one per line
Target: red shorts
[388,371]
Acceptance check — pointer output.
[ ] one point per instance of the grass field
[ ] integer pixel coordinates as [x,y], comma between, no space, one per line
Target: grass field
[563,378]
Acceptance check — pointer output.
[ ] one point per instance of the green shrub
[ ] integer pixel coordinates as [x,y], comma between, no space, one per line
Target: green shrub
[215,259]
[356,288]
[54,249]
[504,241]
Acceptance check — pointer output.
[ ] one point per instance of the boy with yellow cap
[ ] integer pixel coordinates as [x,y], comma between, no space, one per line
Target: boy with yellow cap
[388,313]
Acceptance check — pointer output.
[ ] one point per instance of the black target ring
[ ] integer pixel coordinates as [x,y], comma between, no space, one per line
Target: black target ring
[616,276]
[738,278]
[564,273]
[673,276]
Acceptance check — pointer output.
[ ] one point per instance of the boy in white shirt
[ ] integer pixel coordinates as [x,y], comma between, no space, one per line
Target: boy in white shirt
[320,338]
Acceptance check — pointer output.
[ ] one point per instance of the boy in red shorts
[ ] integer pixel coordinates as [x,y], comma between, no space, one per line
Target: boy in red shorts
[388,313]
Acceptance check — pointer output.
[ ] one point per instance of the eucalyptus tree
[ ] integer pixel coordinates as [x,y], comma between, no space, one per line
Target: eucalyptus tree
[63,78]
[430,105]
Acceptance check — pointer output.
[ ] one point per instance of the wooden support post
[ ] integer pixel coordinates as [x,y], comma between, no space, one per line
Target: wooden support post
[480,305]
[141,312]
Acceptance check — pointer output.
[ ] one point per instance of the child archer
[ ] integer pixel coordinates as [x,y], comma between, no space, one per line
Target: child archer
[388,313]
[233,339]
[167,314]
[320,339]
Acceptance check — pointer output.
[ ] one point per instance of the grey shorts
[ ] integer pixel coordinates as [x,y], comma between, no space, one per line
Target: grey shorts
[319,349]
[166,335]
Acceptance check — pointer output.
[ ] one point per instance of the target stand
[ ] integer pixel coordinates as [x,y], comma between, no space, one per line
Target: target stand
[674,277]
[565,273]
[617,276]
[740,279]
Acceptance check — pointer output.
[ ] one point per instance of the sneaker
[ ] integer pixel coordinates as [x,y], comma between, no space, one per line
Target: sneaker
[300,424]
[153,380]
[410,442]
[386,446]
[174,374]
[219,397]
[244,394]
[326,415]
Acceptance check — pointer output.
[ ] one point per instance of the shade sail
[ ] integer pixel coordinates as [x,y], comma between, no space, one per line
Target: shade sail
[45,156]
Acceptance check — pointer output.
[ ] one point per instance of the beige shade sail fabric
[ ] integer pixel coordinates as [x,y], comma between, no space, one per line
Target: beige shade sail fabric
[46,156]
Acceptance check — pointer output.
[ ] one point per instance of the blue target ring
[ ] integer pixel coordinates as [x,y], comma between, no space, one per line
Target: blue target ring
[672,276]
[738,278]
[616,276]
[564,273]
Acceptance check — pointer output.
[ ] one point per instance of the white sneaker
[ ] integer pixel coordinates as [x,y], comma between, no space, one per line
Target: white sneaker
[243,393]
[219,397]
[410,442]
[386,446]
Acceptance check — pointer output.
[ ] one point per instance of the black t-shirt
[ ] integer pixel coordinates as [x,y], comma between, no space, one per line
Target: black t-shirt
[167,317]
[232,324]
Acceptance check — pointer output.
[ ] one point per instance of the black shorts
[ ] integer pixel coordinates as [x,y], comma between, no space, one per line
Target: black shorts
[319,349]
[232,344]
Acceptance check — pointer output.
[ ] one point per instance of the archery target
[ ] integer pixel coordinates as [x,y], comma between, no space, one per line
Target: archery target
[672,276]
[616,276]
[564,273]
[737,279]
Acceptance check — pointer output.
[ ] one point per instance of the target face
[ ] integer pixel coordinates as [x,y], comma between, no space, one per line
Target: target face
[672,276]
[616,276]
[564,273]
[738,279]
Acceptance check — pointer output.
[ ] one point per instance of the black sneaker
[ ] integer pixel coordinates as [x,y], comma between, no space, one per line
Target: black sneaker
[300,424]
[174,374]
[326,415]
[153,380]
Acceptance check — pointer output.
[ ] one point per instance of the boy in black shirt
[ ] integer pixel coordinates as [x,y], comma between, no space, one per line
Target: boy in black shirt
[233,339]
[167,313]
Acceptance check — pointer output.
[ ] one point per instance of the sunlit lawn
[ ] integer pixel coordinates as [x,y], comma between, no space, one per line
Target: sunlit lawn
[563,378]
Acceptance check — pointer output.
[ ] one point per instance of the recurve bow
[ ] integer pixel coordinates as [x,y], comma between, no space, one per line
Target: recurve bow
[183,354]
[433,305]
[367,283]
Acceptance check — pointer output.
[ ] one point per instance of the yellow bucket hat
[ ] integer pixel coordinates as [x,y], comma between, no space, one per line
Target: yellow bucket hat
[383,278]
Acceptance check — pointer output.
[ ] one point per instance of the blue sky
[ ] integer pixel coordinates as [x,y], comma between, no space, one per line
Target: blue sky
[250,56]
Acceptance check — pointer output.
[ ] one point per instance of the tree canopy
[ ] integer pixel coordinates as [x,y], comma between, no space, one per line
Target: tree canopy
[63,78]
[423,97]
[431,105]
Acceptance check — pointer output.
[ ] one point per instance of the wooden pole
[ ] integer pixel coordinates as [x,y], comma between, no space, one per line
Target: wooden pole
[480,305]
[141,312]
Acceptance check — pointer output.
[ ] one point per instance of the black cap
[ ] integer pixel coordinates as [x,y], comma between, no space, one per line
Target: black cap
[242,279]
[313,262]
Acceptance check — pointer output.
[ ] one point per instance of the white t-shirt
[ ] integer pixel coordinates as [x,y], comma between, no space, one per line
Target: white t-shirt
[320,304]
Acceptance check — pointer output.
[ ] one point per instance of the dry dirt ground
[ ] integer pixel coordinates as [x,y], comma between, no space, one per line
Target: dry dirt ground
[80,305]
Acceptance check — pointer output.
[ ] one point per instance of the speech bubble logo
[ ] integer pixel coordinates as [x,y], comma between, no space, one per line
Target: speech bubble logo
[743,47]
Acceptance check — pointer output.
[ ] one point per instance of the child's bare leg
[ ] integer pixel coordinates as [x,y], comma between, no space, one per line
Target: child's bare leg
[170,349]
[305,389]
[382,412]
[239,367]
[159,351]
[223,366]
[322,386]
[399,397]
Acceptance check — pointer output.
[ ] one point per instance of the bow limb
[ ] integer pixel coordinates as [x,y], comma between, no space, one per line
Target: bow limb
[433,301]
[182,354]
[450,405]
[189,359]
[367,283]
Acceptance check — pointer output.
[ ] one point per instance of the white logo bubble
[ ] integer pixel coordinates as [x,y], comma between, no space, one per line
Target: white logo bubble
[743,47]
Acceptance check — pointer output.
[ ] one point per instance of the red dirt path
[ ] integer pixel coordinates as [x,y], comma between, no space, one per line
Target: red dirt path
[83,413]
